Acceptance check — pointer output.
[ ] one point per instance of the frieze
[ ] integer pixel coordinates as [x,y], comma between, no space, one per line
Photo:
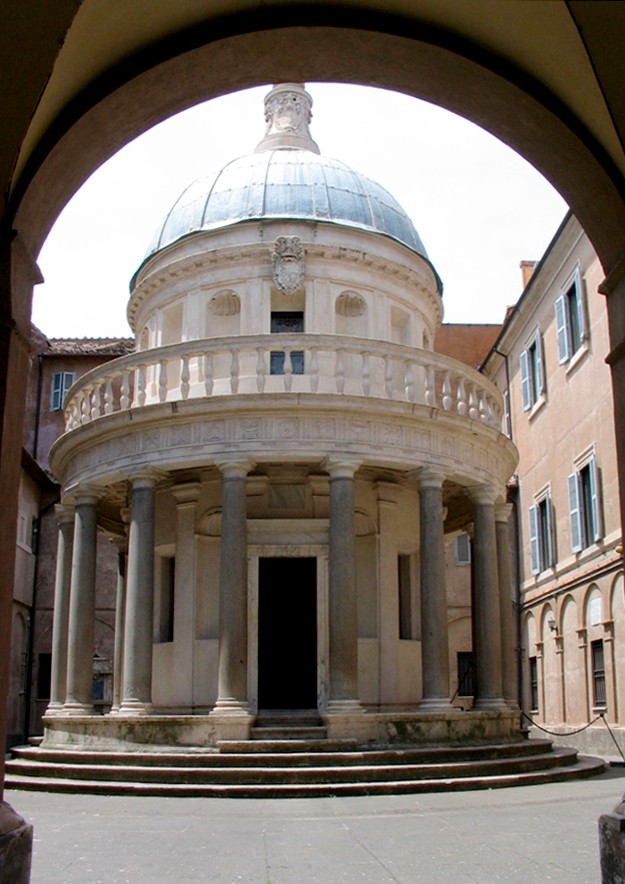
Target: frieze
[404,441]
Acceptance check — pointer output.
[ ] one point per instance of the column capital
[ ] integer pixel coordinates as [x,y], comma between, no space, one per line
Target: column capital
[430,477]
[65,513]
[84,494]
[342,467]
[484,495]
[145,478]
[186,493]
[503,512]
[235,468]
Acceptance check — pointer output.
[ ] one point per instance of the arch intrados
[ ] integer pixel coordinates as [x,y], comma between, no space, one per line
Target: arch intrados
[425,64]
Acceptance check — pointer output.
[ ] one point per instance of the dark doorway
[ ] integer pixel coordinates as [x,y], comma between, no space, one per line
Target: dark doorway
[287,633]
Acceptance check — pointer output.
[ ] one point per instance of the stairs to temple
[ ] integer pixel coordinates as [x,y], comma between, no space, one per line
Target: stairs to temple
[294,767]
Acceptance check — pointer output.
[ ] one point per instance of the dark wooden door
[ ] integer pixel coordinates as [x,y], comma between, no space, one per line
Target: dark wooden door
[287,633]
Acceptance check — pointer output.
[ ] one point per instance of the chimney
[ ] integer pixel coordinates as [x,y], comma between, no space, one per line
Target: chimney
[527,271]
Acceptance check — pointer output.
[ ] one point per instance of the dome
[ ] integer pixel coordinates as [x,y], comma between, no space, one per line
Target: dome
[286,183]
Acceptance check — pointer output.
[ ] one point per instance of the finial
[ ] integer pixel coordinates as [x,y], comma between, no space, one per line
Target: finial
[287,114]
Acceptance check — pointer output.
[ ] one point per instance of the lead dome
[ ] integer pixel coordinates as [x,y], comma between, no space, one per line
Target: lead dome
[286,177]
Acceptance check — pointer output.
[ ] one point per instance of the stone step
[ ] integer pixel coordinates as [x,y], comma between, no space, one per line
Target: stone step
[243,774]
[288,733]
[583,767]
[286,753]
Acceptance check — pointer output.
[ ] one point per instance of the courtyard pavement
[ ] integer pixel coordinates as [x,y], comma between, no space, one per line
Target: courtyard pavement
[525,834]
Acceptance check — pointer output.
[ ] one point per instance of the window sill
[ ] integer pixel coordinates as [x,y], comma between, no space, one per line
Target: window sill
[577,357]
[537,407]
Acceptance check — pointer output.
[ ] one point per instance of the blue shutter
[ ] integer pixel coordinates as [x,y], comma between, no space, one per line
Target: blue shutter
[575,513]
[579,306]
[525,381]
[534,547]
[68,379]
[593,474]
[540,363]
[56,397]
[562,329]
[548,556]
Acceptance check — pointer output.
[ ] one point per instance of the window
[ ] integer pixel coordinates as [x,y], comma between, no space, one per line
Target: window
[44,676]
[533,666]
[466,668]
[166,599]
[570,323]
[584,505]
[541,537]
[404,584]
[462,549]
[598,673]
[284,321]
[61,382]
[532,372]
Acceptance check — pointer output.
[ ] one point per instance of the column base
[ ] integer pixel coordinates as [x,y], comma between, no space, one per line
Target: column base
[231,719]
[133,708]
[77,709]
[436,705]
[16,845]
[344,707]
[491,704]
[55,709]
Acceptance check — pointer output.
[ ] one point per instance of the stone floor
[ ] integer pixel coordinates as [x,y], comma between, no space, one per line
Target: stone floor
[525,834]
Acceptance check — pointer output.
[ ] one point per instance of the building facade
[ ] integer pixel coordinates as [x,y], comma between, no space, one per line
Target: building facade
[550,362]
[285,456]
[54,366]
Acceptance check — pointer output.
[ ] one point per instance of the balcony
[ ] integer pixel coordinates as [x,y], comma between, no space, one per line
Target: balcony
[311,365]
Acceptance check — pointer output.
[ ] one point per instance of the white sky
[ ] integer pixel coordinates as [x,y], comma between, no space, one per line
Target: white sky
[479,208]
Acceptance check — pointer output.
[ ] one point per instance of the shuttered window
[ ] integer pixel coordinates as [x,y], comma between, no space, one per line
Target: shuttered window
[61,382]
[531,364]
[571,328]
[585,506]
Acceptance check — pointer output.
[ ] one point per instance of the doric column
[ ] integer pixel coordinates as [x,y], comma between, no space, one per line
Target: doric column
[434,640]
[120,618]
[508,660]
[60,622]
[138,627]
[232,691]
[82,606]
[186,497]
[487,629]
[343,608]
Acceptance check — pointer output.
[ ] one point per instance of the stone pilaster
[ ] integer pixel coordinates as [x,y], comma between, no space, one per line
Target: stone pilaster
[343,608]
[506,609]
[232,700]
[186,497]
[486,606]
[137,654]
[120,620]
[388,581]
[82,606]
[60,622]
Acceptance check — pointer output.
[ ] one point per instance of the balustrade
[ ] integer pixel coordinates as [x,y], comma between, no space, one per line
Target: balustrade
[317,364]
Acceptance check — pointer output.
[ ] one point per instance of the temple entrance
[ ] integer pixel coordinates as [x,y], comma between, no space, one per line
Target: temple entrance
[287,633]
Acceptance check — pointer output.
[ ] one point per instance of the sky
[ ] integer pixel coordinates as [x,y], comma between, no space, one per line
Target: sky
[479,208]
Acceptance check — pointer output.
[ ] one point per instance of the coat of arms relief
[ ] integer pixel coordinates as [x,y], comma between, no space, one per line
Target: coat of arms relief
[287,258]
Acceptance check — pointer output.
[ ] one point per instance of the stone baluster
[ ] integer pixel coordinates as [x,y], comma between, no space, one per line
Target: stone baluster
[343,607]
[137,681]
[82,606]
[434,638]
[60,624]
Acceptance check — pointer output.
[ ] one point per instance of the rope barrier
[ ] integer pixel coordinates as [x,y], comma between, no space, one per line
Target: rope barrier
[559,734]
[578,730]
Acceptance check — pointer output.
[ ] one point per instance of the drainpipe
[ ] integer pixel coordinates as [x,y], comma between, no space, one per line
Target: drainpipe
[38,405]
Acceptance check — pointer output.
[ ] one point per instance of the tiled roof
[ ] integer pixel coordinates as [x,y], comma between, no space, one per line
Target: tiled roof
[91,346]
[467,343]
